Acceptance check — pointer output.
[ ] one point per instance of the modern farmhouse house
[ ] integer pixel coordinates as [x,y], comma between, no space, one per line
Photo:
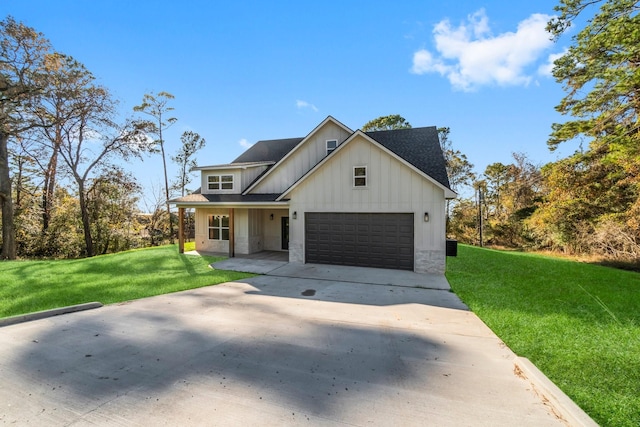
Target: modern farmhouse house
[336,196]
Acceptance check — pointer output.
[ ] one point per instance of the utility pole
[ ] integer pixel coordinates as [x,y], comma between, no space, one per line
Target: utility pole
[480,200]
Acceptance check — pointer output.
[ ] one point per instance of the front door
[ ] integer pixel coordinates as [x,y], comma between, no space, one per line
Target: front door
[285,233]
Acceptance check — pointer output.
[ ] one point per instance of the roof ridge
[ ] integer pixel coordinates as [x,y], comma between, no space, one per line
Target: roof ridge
[403,129]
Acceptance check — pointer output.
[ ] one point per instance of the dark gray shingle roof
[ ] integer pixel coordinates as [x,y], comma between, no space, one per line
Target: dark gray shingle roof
[268,151]
[418,146]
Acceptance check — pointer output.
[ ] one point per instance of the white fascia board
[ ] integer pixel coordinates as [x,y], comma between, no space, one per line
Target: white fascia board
[254,205]
[233,166]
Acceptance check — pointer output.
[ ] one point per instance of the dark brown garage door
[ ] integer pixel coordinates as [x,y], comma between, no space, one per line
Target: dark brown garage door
[383,240]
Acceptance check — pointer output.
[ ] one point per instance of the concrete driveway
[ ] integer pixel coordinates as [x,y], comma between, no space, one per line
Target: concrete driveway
[270,350]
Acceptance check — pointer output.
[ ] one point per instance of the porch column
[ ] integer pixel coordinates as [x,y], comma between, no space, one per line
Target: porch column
[181,230]
[232,249]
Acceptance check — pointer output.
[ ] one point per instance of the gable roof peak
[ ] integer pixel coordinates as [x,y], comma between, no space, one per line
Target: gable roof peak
[418,146]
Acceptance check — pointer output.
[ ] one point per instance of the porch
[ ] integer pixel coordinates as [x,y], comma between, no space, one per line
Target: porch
[239,231]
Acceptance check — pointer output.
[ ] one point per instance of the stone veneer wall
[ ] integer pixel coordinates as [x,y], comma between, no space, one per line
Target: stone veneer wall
[430,262]
[296,253]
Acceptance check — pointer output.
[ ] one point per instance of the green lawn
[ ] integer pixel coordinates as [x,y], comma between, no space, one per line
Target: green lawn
[578,323]
[28,286]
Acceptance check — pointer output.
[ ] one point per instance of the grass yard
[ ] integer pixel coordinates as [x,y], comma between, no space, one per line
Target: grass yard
[578,323]
[28,286]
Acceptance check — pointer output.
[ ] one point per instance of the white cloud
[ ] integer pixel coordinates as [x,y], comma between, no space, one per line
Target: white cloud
[304,104]
[244,143]
[470,56]
[547,68]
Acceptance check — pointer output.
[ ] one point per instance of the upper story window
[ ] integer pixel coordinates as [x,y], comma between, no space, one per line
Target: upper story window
[332,144]
[220,182]
[360,176]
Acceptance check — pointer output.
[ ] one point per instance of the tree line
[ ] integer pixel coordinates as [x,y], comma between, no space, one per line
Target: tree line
[589,202]
[61,140]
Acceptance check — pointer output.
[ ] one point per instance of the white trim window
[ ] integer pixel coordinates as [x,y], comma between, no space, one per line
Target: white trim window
[332,144]
[218,227]
[220,182]
[359,176]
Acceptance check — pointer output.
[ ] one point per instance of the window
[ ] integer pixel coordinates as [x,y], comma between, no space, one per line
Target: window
[218,227]
[220,182]
[360,176]
[332,144]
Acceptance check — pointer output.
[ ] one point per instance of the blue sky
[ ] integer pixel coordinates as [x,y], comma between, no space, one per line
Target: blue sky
[242,71]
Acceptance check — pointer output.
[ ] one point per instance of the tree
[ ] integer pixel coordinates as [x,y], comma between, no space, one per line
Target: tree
[510,196]
[22,53]
[459,169]
[111,198]
[601,76]
[57,110]
[582,191]
[191,143]
[464,221]
[496,178]
[24,172]
[91,140]
[157,220]
[391,122]
[27,213]
[157,107]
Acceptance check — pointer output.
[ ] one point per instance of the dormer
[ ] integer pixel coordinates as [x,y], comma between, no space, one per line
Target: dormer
[232,178]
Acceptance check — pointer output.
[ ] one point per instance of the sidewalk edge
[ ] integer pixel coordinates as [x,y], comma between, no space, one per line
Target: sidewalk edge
[20,318]
[569,412]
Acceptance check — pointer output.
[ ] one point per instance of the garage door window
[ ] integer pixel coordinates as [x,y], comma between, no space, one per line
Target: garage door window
[360,176]
[218,227]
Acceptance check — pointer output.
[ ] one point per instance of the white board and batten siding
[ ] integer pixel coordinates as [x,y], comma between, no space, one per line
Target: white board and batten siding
[202,231]
[242,177]
[248,225]
[250,174]
[237,180]
[392,187]
[301,159]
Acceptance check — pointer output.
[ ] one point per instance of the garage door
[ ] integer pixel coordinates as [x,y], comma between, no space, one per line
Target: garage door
[360,239]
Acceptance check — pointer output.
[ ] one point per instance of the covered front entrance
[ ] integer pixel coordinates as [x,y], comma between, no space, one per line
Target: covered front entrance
[239,230]
[381,240]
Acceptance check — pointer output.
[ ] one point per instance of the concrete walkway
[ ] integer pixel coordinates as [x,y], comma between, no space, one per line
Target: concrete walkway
[258,266]
[272,350]
[377,276]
